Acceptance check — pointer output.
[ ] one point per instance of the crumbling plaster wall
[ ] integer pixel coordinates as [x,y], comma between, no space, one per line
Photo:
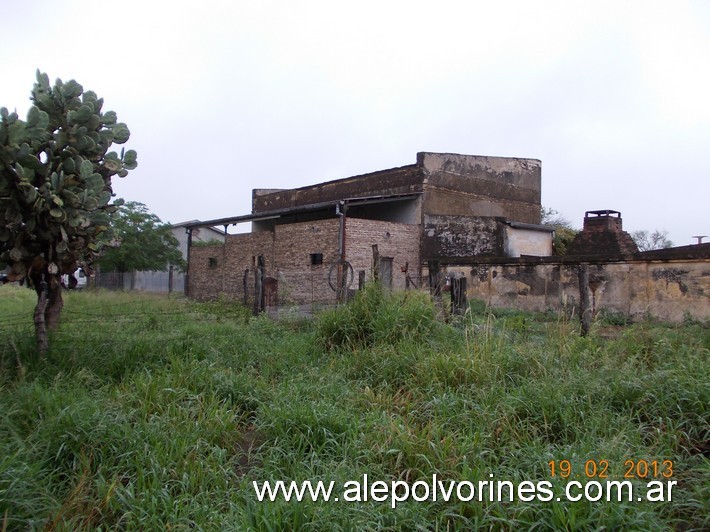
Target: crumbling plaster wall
[403,180]
[469,185]
[669,291]
[462,236]
[527,242]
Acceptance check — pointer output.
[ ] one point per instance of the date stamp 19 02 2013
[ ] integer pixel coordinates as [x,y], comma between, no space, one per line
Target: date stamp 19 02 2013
[631,469]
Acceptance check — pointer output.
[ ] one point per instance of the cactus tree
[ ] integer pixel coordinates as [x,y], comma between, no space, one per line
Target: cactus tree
[55,189]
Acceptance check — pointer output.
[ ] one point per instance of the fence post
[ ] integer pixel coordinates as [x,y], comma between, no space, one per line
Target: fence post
[375,263]
[458,295]
[434,278]
[245,286]
[585,308]
[259,285]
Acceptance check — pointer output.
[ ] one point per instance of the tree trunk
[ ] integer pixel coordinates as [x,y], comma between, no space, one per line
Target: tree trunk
[55,303]
[49,307]
[40,323]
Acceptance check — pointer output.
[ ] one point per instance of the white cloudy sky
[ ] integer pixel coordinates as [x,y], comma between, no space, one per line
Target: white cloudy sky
[225,96]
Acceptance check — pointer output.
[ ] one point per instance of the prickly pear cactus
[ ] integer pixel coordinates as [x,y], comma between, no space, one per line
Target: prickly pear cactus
[55,178]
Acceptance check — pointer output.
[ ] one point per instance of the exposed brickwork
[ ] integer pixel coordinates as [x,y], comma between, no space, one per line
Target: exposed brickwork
[206,264]
[216,270]
[299,281]
[399,241]
[603,235]
[457,208]
[224,274]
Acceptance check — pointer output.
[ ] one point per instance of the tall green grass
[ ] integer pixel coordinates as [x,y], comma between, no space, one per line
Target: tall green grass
[154,412]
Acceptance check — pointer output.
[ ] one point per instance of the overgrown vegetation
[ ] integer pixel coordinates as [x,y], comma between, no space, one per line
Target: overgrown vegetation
[157,413]
[56,190]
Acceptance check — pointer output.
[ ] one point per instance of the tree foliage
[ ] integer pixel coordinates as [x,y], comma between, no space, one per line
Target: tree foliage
[564,232]
[141,242]
[55,187]
[648,241]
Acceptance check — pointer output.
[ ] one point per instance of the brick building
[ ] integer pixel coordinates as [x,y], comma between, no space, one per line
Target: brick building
[310,245]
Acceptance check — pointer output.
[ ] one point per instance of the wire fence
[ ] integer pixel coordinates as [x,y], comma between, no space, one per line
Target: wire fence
[157,317]
[142,281]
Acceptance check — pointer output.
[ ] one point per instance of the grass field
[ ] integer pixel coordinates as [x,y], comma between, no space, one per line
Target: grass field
[158,413]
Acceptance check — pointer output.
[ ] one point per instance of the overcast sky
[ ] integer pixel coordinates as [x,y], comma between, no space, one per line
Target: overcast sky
[225,96]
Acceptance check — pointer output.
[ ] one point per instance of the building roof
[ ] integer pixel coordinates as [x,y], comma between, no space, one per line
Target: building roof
[314,207]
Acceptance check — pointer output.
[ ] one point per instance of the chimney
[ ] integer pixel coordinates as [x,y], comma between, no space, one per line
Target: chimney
[603,234]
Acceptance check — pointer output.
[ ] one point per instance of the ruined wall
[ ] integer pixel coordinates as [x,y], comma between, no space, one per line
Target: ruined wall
[468,185]
[399,241]
[521,241]
[668,291]
[462,236]
[403,180]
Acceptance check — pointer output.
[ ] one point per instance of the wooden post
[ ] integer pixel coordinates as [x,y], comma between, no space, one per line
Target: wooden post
[361,279]
[458,295]
[340,292]
[434,278]
[375,263]
[245,284]
[585,308]
[259,285]
[187,269]
[170,279]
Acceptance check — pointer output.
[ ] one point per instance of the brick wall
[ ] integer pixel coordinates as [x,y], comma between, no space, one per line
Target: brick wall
[216,270]
[602,235]
[205,279]
[219,270]
[396,240]
[300,281]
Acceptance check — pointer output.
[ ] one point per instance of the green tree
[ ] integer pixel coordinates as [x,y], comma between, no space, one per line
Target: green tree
[55,189]
[648,241]
[142,242]
[564,232]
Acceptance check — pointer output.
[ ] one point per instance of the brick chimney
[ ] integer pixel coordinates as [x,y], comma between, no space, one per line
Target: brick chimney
[603,235]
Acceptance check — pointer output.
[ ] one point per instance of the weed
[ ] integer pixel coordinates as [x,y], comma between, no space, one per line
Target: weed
[158,413]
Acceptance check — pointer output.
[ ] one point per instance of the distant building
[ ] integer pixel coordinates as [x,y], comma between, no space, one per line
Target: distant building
[311,244]
[169,280]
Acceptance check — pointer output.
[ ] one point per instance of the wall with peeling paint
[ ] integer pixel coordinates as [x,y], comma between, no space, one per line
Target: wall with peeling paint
[473,185]
[665,290]
[530,242]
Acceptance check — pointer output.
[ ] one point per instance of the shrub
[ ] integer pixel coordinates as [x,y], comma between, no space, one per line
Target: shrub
[376,316]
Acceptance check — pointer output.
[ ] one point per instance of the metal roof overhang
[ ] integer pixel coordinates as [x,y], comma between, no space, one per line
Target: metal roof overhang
[314,207]
[531,227]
